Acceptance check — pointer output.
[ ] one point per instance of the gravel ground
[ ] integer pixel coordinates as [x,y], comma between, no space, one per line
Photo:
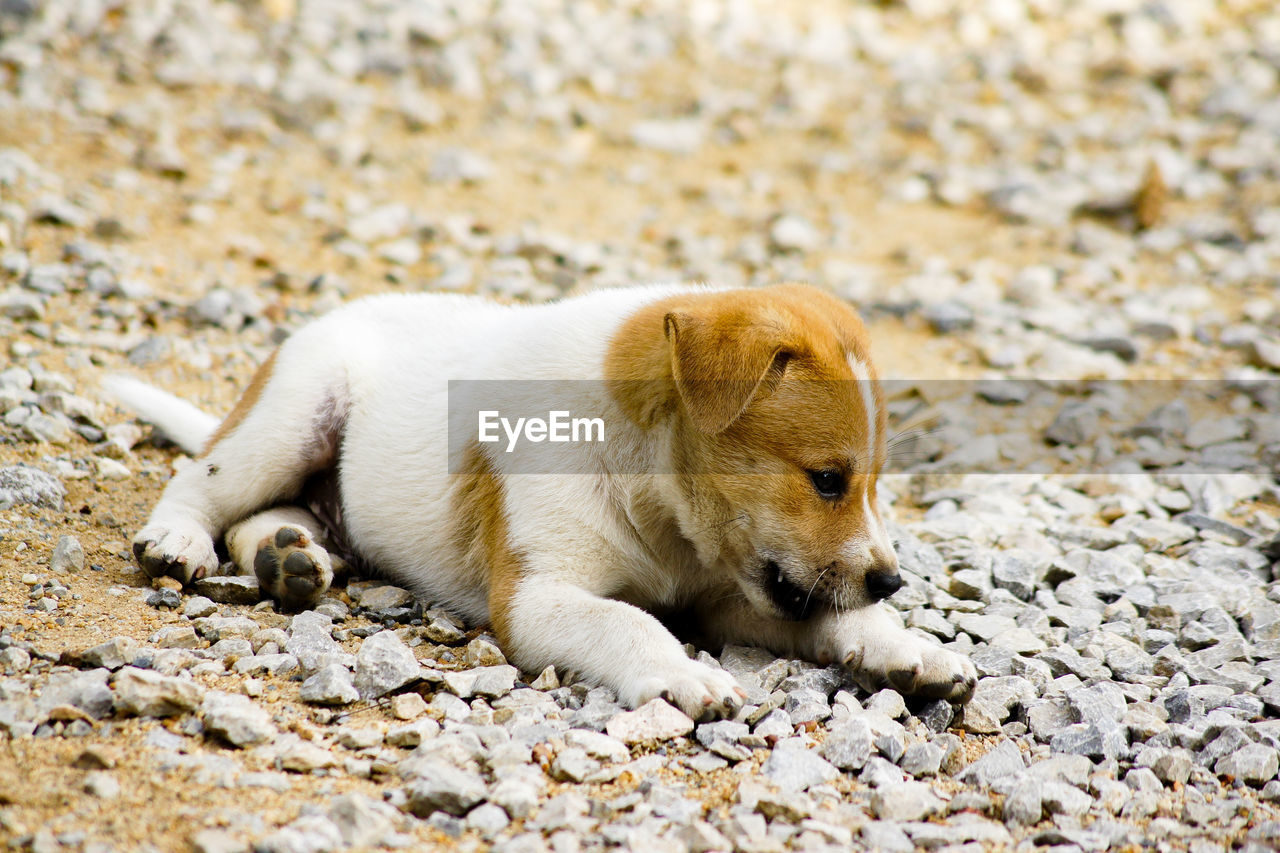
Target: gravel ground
[1010,190]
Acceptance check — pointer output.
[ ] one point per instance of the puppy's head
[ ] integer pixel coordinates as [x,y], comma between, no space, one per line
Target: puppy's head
[777,435]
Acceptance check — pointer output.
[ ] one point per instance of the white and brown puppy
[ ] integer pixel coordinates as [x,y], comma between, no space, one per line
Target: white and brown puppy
[744,434]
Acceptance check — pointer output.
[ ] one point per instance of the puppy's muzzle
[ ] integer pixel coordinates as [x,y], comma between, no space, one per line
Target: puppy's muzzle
[882,584]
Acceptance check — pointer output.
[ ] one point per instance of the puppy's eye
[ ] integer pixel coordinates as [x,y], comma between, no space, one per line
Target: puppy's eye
[829,484]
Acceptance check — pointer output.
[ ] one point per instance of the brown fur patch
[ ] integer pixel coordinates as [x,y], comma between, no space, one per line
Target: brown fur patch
[480,533]
[245,404]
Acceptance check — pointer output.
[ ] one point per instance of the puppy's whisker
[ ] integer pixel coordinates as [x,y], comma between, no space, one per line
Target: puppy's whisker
[720,528]
[814,586]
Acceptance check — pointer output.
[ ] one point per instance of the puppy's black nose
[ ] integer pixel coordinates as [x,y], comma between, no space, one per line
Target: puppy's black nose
[881,585]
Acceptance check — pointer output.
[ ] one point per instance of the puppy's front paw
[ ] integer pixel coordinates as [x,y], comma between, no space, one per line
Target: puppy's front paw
[701,691]
[183,550]
[914,667]
[292,568]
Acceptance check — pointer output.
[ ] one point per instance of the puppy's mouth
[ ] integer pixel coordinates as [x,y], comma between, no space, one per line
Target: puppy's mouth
[793,602]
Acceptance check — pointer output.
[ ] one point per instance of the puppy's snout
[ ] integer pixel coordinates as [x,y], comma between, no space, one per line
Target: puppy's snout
[882,584]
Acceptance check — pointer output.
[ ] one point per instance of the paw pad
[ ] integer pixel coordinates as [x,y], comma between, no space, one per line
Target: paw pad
[292,568]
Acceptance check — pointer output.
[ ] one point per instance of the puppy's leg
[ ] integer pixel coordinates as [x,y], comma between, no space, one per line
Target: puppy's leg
[610,642]
[285,427]
[870,641]
[284,547]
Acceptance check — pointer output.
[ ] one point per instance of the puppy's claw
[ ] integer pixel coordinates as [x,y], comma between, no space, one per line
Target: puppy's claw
[915,667]
[904,680]
[183,551]
[700,691]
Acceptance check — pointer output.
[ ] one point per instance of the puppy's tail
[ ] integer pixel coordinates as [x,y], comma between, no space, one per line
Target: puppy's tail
[179,421]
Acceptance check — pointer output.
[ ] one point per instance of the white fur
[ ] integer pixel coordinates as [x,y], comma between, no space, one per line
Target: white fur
[591,570]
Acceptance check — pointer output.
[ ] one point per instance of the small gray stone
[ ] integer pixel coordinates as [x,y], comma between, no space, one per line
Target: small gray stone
[1003,760]
[68,555]
[441,628]
[268,664]
[993,702]
[791,233]
[1015,571]
[14,660]
[198,607]
[484,652]
[219,841]
[311,641]
[460,165]
[517,798]
[217,628]
[937,715]
[144,693]
[721,731]
[21,305]
[1253,764]
[385,597]
[363,821]
[655,720]
[793,767]
[890,837]
[848,745]
[437,786]
[908,801]
[984,627]
[307,834]
[949,316]
[887,702]
[1071,769]
[1101,701]
[229,589]
[236,719]
[606,748]
[383,664]
[922,759]
[1076,423]
[414,734]
[103,785]
[573,765]
[113,654]
[1100,738]
[332,684]
[154,349]
[1061,798]
[22,485]
[676,136]
[488,820]
[1023,805]
[87,691]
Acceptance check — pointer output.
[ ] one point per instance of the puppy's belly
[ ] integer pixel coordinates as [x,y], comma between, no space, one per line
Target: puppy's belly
[395,492]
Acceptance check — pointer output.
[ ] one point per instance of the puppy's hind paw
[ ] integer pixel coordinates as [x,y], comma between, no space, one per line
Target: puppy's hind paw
[182,550]
[292,568]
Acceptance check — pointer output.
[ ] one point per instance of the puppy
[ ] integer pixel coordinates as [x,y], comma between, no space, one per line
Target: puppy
[743,434]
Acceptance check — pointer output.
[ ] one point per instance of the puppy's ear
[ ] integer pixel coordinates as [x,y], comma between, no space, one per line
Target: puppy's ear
[719,364]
